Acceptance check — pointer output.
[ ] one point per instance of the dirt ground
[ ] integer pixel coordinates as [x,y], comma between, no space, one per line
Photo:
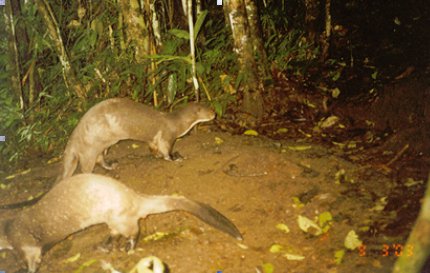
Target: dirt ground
[256,182]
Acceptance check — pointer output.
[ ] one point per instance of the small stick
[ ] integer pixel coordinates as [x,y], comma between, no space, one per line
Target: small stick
[398,155]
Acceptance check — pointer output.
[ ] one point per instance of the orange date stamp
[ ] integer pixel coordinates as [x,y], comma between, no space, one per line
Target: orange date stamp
[386,250]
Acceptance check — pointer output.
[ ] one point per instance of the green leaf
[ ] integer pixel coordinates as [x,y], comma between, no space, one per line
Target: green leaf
[200,68]
[282,130]
[299,148]
[324,220]
[411,182]
[73,258]
[250,133]
[335,92]
[85,265]
[283,227]
[338,256]
[275,248]
[352,241]
[268,268]
[308,226]
[172,88]
[199,23]
[180,33]
[156,236]
[297,202]
[336,76]
[219,110]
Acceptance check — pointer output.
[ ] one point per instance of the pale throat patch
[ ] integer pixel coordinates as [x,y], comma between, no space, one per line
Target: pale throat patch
[192,125]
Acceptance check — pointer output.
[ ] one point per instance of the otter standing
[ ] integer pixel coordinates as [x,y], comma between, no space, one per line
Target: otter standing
[85,200]
[117,119]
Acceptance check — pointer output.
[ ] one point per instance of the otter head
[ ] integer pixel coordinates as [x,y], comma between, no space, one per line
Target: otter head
[192,114]
[203,113]
[197,112]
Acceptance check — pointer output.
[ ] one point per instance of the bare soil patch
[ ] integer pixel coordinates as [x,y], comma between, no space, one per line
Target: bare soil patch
[254,182]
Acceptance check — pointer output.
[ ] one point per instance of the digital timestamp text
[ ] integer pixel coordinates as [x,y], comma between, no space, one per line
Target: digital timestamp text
[386,250]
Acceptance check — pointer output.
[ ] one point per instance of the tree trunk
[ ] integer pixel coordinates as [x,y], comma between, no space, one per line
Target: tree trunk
[256,38]
[14,62]
[55,34]
[252,86]
[311,17]
[325,39]
[136,29]
[417,248]
[139,34]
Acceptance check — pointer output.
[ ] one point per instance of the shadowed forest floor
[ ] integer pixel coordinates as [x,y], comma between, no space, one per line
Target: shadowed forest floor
[257,183]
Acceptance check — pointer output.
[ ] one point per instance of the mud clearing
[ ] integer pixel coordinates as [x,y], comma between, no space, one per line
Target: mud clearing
[256,182]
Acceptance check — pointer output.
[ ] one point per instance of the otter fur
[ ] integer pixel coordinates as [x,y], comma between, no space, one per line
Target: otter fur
[85,200]
[117,119]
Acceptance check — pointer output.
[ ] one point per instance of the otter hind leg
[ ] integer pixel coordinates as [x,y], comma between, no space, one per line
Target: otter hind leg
[87,162]
[70,163]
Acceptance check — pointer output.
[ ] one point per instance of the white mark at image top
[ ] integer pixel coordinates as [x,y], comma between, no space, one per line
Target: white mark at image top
[2,4]
[218,2]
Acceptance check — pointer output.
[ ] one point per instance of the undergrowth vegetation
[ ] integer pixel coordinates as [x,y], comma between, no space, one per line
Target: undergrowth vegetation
[107,68]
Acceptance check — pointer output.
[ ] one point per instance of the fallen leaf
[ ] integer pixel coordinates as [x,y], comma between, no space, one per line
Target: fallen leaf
[294,257]
[328,122]
[150,264]
[85,265]
[275,248]
[297,203]
[282,130]
[325,220]
[73,258]
[299,148]
[283,227]
[218,141]
[338,256]
[250,133]
[156,236]
[4,186]
[352,241]
[308,226]
[242,246]
[411,182]
[268,268]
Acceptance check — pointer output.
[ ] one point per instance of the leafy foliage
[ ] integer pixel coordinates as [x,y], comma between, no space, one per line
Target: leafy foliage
[292,52]
[94,40]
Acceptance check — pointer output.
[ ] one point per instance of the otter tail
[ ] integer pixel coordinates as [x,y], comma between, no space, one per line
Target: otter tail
[209,215]
[29,202]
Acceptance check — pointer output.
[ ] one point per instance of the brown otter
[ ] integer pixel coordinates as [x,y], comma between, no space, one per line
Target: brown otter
[117,119]
[85,200]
